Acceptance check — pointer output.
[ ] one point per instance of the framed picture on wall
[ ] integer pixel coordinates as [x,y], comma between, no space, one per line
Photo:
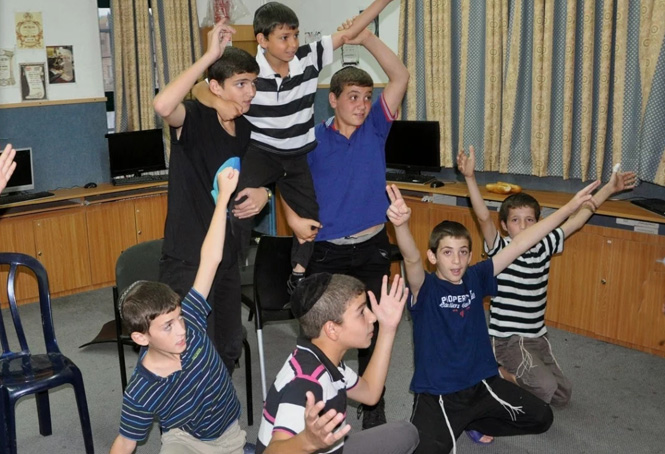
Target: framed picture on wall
[60,64]
[33,81]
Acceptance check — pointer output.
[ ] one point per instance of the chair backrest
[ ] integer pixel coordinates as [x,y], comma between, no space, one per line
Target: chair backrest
[272,269]
[15,260]
[138,263]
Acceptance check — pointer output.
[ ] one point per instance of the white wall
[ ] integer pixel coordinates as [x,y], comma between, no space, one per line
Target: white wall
[325,16]
[65,22]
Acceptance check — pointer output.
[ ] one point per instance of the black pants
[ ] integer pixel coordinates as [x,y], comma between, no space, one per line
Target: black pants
[368,261]
[475,408]
[294,181]
[224,322]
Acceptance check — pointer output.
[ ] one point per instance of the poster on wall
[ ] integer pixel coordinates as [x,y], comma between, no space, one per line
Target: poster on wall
[33,81]
[60,61]
[7,68]
[29,30]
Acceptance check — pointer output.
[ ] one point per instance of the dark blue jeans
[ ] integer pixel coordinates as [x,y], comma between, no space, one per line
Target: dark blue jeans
[368,261]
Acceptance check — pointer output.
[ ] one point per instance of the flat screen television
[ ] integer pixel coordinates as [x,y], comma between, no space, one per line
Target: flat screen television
[414,146]
[23,177]
[136,152]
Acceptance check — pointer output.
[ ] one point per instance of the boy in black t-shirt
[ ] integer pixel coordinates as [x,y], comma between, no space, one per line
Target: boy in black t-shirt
[200,143]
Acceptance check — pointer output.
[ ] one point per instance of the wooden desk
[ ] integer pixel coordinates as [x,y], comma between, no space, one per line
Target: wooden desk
[608,284]
[79,233]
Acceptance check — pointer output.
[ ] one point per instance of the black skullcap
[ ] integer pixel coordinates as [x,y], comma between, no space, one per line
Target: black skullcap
[308,292]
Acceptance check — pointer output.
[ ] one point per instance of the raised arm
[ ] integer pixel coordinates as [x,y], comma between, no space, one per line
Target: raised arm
[389,313]
[620,181]
[7,165]
[213,243]
[398,75]
[399,213]
[466,167]
[361,22]
[168,103]
[527,238]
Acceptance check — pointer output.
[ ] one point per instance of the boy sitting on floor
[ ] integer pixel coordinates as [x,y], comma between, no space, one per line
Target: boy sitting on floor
[334,317]
[180,378]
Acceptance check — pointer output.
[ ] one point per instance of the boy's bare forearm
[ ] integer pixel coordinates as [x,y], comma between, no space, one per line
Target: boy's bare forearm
[398,75]
[202,93]
[377,370]
[212,249]
[122,445]
[361,22]
[168,99]
[480,209]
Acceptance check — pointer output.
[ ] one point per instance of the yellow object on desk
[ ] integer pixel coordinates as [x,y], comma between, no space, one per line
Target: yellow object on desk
[501,187]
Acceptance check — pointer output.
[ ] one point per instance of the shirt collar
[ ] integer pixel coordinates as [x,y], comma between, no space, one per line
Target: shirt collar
[266,71]
[316,351]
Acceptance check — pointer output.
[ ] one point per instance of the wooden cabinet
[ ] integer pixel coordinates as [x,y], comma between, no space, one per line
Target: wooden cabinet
[116,225]
[16,235]
[111,230]
[61,242]
[77,239]
[610,284]
[150,214]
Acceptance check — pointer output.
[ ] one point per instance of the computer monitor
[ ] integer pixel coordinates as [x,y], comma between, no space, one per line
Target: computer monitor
[414,146]
[136,152]
[23,177]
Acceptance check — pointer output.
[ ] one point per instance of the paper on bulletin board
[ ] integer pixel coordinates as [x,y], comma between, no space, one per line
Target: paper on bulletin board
[29,30]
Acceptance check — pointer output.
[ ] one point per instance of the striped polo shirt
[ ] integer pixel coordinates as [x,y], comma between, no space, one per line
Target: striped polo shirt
[519,307]
[199,398]
[282,112]
[306,369]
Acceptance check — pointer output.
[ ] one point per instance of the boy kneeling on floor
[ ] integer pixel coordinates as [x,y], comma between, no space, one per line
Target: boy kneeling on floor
[305,411]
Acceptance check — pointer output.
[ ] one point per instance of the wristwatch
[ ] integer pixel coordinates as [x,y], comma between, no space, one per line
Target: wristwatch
[269,193]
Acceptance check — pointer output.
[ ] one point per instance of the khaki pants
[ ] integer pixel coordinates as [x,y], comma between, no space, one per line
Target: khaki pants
[177,441]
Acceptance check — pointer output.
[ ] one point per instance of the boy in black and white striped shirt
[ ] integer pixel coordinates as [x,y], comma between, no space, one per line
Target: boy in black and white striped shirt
[517,313]
[282,118]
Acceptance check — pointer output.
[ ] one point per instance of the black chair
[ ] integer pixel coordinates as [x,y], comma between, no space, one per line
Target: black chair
[22,373]
[272,268]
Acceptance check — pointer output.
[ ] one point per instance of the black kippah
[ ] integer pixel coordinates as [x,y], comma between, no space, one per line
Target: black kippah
[308,292]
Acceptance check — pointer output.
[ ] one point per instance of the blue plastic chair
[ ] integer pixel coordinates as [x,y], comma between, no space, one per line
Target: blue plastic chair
[22,373]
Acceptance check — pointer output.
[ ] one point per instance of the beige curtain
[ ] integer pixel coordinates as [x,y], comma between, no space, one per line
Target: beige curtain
[581,109]
[437,43]
[177,46]
[177,43]
[133,65]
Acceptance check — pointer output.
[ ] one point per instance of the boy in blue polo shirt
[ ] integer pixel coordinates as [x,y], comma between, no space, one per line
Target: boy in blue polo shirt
[348,167]
[282,117]
[180,378]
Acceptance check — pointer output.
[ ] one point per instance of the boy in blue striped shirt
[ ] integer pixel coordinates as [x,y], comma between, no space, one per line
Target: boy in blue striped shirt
[180,378]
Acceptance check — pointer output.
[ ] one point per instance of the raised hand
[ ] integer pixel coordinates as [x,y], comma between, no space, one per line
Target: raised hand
[584,197]
[358,39]
[7,165]
[621,181]
[389,311]
[319,429]
[218,37]
[466,164]
[227,180]
[398,212]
